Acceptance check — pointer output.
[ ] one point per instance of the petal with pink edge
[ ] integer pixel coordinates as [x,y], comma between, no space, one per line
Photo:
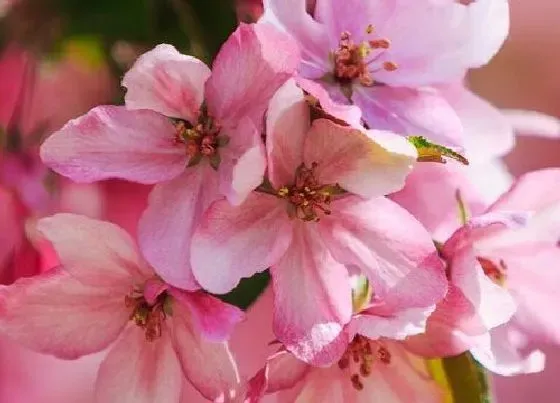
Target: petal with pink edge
[388,245]
[411,112]
[209,366]
[243,162]
[168,223]
[533,123]
[253,63]
[287,124]
[212,318]
[282,371]
[97,253]
[54,313]
[368,164]
[312,37]
[310,323]
[113,142]
[138,371]
[167,82]
[235,242]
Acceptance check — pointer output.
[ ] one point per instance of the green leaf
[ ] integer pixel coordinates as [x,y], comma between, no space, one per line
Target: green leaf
[432,152]
[462,379]
[248,290]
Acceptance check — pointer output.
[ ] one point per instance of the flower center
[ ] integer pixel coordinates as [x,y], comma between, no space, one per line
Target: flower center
[359,358]
[201,140]
[497,273]
[149,317]
[307,199]
[359,61]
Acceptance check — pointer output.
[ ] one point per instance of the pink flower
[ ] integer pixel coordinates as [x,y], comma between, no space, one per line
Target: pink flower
[372,368]
[103,295]
[321,214]
[212,146]
[370,54]
[502,263]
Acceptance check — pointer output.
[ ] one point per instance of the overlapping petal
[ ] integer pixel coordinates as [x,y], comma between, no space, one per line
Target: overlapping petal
[167,82]
[113,142]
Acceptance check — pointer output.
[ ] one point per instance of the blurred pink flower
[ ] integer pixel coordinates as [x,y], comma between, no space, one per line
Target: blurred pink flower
[370,54]
[214,146]
[89,302]
[323,209]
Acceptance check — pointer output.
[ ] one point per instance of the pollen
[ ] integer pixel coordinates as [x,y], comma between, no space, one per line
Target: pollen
[360,357]
[148,317]
[495,272]
[307,199]
[358,62]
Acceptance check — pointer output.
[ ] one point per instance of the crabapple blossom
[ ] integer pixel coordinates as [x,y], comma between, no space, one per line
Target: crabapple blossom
[320,215]
[192,132]
[104,294]
[369,53]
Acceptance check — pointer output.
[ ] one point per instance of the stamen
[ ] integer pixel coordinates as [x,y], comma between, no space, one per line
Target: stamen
[148,317]
[497,273]
[308,199]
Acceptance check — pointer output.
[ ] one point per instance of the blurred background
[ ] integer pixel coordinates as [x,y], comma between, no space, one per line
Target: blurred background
[59,58]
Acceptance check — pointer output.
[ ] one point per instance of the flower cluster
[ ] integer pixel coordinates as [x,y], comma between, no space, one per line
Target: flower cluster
[324,145]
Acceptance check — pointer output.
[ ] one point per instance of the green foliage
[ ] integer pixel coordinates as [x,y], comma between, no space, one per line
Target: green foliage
[248,290]
[466,379]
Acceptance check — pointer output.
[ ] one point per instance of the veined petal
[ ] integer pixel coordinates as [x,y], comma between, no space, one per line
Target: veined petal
[410,111]
[167,225]
[312,37]
[310,323]
[167,82]
[368,164]
[243,162]
[212,318]
[56,314]
[251,65]
[209,366]
[138,371]
[97,253]
[235,242]
[113,142]
[388,245]
[287,124]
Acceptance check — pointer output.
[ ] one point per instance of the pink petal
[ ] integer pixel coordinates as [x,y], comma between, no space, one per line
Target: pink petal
[500,352]
[369,165]
[253,63]
[12,227]
[138,371]
[388,245]
[54,313]
[288,121]
[208,366]
[487,132]
[310,324]
[212,318]
[533,280]
[113,142]
[243,162]
[412,112]
[312,37]
[397,325]
[532,123]
[349,113]
[235,242]
[97,253]
[167,82]
[531,192]
[167,225]
[439,214]
[282,371]
[153,288]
